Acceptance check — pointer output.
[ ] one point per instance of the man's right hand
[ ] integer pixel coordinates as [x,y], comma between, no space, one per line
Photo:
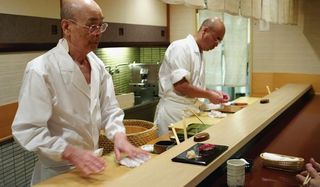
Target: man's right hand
[218,97]
[83,160]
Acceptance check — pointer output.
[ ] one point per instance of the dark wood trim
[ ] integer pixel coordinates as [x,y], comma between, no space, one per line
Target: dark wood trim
[18,47]
[27,33]
[133,44]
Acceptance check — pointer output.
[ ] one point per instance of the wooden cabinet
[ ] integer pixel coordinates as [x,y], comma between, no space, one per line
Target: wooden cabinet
[25,33]
[118,34]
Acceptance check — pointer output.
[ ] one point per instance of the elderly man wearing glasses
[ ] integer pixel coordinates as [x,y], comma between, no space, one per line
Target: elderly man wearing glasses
[67,97]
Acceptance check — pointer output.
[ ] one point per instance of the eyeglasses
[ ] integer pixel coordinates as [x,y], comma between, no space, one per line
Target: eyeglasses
[214,37]
[92,29]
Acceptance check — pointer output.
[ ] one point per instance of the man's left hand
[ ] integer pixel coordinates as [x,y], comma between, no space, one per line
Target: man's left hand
[122,145]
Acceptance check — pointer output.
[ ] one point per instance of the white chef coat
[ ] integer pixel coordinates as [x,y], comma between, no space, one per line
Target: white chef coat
[57,107]
[182,60]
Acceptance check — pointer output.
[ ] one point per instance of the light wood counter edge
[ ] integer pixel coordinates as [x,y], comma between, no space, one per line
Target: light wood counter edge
[144,175]
[161,171]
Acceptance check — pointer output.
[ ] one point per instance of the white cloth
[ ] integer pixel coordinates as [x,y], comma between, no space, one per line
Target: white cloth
[134,162]
[57,107]
[182,60]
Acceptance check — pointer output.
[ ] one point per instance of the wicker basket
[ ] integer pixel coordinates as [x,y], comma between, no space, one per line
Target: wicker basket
[291,166]
[139,132]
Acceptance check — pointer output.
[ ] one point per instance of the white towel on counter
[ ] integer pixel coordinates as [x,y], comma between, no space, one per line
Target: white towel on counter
[216,114]
[134,162]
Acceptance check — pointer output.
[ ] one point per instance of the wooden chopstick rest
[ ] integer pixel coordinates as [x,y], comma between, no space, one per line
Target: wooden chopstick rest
[200,137]
[263,101]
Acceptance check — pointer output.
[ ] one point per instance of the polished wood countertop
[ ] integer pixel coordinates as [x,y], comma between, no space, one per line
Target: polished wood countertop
[294,133]
[235,131]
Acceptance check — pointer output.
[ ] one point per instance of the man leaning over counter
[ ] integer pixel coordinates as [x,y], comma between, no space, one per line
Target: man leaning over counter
[182,74]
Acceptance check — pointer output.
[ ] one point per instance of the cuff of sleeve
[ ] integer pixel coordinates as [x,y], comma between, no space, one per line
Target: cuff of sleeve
[111,132]
[179,74]
[55,153]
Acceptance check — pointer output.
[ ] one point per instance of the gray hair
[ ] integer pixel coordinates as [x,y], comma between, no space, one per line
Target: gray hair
[67,10]
[211,23]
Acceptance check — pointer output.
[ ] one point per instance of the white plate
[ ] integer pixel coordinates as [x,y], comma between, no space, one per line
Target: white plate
[147,147]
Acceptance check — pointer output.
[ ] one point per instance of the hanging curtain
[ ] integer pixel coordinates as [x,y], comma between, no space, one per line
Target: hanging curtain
[274,11]
[250,8]
[235,50]
[197,4]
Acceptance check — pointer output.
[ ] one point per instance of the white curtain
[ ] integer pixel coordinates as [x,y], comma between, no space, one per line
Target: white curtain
[235,50]
[274,11]
[226,65]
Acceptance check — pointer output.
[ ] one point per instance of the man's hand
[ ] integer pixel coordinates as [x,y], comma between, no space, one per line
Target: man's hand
[121,144]
[83,160]
[217,97]
[312,169]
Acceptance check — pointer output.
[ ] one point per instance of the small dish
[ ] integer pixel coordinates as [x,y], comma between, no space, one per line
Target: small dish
[148,147]
[162,146]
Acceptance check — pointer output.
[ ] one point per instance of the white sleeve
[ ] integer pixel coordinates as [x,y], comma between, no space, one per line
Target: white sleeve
[176,67]
[111,114]
[29,127]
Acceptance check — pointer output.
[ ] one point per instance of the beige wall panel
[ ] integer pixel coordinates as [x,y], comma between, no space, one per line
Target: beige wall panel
[141,12]
[182,21]
[281,79]
[289,48]
[38,8]
[277,80]
[259,82]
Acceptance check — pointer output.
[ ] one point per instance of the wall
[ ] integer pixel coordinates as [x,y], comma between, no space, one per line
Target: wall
[141,12]
[39,8]
[182,21]
[125,11]
[288,53]
[126,56]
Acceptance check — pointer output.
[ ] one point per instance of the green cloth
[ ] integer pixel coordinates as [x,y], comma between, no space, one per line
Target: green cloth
[193,129]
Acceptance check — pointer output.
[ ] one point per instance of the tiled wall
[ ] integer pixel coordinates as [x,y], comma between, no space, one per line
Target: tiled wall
[124,56]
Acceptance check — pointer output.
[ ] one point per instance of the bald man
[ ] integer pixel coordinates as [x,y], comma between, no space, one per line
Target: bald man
[182,74]
[67,97]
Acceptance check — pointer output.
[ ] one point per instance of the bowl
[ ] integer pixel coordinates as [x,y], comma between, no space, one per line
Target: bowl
[163,145]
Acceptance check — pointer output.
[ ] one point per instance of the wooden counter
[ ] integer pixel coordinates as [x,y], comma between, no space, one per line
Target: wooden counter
[295,132]
[234,131]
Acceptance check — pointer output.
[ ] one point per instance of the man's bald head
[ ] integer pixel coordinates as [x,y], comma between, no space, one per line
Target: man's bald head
[69,8]
[210,34]
[213,24]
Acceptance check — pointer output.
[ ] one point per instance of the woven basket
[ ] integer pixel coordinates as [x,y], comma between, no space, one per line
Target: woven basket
[139,132]
[291,166]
